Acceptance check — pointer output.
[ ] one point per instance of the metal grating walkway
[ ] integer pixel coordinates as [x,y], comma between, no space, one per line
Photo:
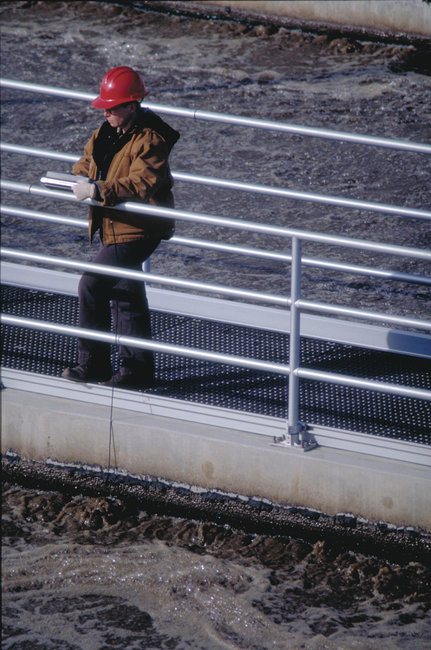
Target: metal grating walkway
[236,388]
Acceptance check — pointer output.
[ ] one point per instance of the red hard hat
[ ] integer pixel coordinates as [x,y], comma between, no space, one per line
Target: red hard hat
[120,85]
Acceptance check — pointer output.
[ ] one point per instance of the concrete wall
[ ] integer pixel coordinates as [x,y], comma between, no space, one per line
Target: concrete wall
[327,480]
[412,16]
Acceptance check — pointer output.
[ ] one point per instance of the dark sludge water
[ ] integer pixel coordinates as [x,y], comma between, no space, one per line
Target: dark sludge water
[91,564]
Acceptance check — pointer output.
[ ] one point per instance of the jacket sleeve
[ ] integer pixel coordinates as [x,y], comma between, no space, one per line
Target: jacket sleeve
[138,175]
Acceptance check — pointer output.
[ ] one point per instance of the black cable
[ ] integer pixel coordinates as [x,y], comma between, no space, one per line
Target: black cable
[111,413]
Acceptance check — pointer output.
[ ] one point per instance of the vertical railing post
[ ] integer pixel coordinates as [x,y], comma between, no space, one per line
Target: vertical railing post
[297,432]
[293,425]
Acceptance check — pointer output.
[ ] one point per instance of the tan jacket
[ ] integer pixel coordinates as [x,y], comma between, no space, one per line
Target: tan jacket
[139,171]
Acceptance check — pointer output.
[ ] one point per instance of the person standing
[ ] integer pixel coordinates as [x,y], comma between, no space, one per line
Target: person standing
[126,159]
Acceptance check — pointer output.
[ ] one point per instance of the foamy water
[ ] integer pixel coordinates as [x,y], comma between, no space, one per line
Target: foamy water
[98,572]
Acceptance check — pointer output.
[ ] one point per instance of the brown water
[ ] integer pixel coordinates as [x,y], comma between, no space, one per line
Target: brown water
[92,571]
[101,572]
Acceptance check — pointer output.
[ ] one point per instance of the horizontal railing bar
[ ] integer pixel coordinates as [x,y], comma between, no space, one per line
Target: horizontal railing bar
[46,90]
[383,274]
[38,153]
[206,355]
[226,222]
[43,216]
[365,384]
[150,277]
[239,250]
[324,199]
[236,120]
[146,344]
[312,262]
[346,332]
[362,314]
[297,129]
[211,288]
[230,248]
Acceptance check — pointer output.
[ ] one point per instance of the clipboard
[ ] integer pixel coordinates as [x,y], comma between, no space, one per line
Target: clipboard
[58,180]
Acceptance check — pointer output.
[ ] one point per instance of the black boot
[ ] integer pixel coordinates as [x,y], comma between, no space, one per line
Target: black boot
[132,375]
[86,373]
[129,381]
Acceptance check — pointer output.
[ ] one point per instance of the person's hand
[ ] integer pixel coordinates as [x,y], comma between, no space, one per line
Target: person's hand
[84,190]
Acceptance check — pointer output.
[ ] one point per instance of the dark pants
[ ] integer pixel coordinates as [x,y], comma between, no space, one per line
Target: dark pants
[129,308]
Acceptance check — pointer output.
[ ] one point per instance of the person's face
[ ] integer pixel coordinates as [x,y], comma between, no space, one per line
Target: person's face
[120,116]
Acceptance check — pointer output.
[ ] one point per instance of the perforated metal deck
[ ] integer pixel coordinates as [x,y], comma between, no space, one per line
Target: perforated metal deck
[239,389]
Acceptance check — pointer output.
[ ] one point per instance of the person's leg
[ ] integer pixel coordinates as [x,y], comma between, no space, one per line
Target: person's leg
[94,293]
[131,315]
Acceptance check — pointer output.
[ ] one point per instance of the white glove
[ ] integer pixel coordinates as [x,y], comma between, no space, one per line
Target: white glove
[84,190]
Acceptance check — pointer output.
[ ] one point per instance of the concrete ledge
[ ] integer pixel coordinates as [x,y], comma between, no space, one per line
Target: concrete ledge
[331,481]
[394,15]
[389,21]
[388,17]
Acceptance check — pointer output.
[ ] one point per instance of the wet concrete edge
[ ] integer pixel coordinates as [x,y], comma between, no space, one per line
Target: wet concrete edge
[252,19]
[250,515]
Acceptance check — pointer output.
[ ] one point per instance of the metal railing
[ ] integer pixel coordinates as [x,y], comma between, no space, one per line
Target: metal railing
[336,201]
[210,116]
[296,433]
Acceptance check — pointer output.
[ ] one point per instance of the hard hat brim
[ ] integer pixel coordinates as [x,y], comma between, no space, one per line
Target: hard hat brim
[99,102]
